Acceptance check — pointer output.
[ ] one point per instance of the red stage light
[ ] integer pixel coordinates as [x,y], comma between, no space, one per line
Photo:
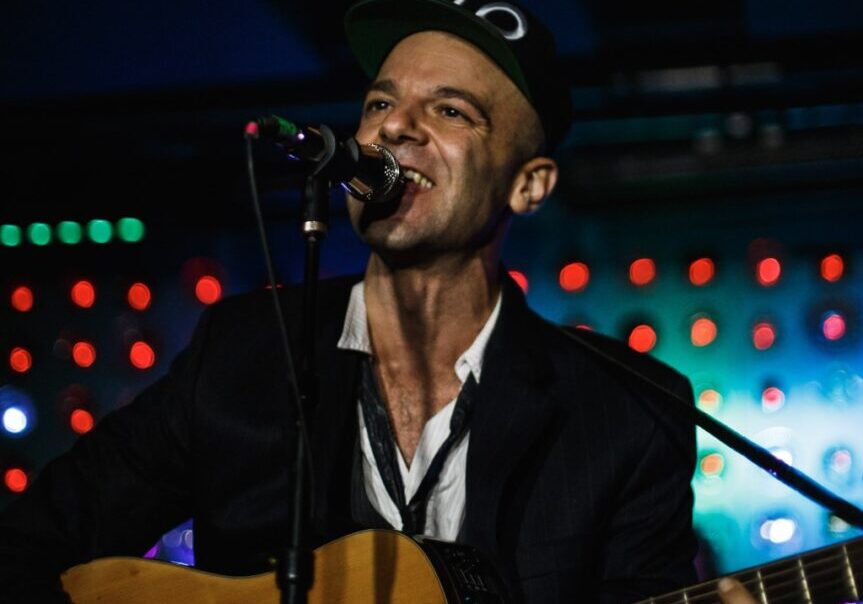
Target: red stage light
[833,326]
[139,296]
[208,289]
[642,271]
[709,399]
[84,354]
[832,268]
[584,326]
[768,271]
[712,464]
[701,272]
[142,356]
[20,360]
[520,278]
[763,335]
[642,338]
[16,480]
[703,332]
[574,276]
[81,421]
[83,294]
[22,299]
[772,399]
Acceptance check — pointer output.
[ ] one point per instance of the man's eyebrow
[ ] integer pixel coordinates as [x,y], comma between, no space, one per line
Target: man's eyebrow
[448,92]
[385,86]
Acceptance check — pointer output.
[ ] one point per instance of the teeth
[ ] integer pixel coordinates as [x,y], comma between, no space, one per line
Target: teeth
[418,178]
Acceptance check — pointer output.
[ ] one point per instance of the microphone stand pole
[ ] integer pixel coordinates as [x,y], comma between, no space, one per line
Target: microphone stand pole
[296,571]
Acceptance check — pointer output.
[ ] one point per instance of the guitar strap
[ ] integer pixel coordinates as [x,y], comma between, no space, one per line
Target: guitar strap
[413,512]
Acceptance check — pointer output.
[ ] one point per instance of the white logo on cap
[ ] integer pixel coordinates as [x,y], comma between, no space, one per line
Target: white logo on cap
[520,30]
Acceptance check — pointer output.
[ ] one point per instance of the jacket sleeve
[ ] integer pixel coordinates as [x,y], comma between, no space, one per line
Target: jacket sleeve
[114,493]
[651,545]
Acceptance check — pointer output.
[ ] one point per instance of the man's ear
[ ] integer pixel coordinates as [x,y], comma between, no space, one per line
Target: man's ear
[533,182]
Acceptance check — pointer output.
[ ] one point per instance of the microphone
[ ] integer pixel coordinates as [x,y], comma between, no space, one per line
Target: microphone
[370,172]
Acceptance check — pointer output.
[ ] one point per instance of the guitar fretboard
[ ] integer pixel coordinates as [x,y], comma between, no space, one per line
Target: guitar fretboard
[830,575]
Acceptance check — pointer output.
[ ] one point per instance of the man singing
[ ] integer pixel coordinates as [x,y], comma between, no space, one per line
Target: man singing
[560,466]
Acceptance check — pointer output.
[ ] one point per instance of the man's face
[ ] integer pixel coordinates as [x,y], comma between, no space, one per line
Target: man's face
[450,116]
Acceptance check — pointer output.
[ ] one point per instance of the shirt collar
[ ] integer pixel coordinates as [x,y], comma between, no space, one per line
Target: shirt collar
[355,335]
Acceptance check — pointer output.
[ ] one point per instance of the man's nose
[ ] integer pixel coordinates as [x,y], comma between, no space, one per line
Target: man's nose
[403,124]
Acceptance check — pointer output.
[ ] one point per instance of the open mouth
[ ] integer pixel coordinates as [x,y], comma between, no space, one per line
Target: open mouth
[419,178]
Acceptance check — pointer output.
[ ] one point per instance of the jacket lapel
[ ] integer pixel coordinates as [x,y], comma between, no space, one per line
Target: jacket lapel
[512,412]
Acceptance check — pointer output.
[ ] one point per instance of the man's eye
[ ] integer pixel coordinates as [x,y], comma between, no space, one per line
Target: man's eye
[377,105]
[451,112]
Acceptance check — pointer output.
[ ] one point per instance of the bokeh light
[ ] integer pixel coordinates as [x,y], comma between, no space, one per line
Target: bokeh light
[642,271]
[10,235]
[833,326]
[139,296]
[768,271]
[83,294]
[772,399]
[763,335]
[81,421]
[703,332]
[69,232]
[832,268]
[574,277]
[208,290]
[519,277]
[701,272]
[712,464]
[130,230]
[20,360]
[15,480]
[22,298]
[15,420]
[39,233]
[709,400]
[778,530]
[84,354]
[141,355]
[100,231]
[642,338]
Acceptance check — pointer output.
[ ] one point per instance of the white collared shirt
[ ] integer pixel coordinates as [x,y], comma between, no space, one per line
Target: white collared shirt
[445,511]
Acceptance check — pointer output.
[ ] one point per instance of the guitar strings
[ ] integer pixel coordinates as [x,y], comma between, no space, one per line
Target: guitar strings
[854,546]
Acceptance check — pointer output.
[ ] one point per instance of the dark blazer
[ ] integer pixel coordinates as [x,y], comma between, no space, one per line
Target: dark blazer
[577,477]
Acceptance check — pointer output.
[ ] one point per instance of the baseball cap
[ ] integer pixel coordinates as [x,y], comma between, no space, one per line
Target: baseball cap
[509,34]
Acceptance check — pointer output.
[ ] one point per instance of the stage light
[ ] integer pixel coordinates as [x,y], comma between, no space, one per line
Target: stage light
[39,233]
[768,272]
[139,296]
[69,232]
[836,525]
[703,332]
[84,354]
[141,355]
[701,272]
[100,231]
[833,326]
[763,335]
[778,530]
[839,465]
[130,230]
[20,360]
[83,294]
[574,277]
[81,421]
[15,480]
[832,268]
[642,338]
[10,235]
[15,420]
[22,298]
[208,289]
[712,465]
[772,399]
[521,279]
[709,400]
[642,271]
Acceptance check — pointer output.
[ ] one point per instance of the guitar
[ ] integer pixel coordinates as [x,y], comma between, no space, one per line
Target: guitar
[378,566]
[373,566]
[830,575]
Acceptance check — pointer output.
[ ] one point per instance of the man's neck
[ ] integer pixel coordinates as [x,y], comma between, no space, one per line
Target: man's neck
[428,315]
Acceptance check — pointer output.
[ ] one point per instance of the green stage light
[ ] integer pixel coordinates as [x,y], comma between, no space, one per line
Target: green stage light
[39,233]
[130,230]
[100,231]
[69,232]
[10,235]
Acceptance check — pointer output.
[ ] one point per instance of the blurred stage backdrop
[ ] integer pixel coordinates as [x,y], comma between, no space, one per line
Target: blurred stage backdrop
[709,213]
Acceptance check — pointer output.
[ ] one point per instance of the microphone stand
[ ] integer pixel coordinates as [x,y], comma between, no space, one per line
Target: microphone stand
[296,567]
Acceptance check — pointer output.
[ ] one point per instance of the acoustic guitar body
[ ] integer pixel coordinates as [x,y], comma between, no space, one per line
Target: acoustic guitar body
[373,566]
